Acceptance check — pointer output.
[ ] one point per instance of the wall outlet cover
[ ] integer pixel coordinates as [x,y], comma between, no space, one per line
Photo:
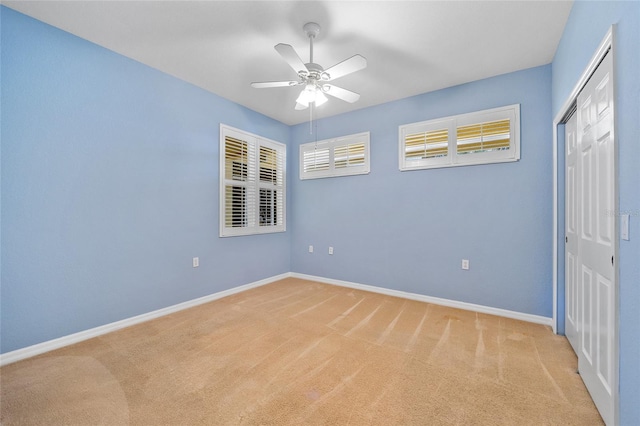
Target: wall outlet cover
[624,227]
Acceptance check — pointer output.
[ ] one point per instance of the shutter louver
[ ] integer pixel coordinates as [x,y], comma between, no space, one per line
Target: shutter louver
[348,155]
[268,165]
[271,205]
[236,157]
[484,137]
[316,160]
[429,144]
[280,184]
[235,203]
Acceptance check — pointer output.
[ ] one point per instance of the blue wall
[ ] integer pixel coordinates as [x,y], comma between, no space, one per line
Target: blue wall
[109,174]
[585,29]
[409,230]
[110,187]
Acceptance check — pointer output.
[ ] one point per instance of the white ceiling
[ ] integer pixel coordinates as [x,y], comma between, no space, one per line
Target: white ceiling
[411,47]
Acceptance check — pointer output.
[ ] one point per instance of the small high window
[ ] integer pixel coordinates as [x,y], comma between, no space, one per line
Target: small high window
[490,136]
[343,156]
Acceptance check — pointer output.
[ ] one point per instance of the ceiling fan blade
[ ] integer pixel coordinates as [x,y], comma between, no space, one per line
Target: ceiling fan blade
[340,93]
[289,54]
[353,64]
[300,106]
[267,84]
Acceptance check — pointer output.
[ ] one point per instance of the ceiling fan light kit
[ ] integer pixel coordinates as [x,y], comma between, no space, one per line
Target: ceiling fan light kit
[313,76]
[310,94]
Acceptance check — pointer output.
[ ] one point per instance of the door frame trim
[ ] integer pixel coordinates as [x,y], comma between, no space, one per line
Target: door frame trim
[606,46]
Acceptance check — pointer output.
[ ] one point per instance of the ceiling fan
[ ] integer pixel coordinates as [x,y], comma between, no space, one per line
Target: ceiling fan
[312,76]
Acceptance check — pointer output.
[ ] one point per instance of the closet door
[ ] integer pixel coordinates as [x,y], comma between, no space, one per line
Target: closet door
[571,235]
[597,357]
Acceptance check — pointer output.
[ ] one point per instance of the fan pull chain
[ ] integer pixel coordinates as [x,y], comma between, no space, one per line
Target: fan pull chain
[315,150]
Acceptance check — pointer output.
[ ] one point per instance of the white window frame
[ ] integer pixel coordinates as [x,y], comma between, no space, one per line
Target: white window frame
[331,145]
[253,188]
[453,159]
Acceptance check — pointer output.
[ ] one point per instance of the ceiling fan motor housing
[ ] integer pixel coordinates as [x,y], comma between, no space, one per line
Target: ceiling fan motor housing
[315,73]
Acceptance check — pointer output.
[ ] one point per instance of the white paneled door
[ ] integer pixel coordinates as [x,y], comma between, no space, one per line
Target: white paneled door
[571,229]
[591,307]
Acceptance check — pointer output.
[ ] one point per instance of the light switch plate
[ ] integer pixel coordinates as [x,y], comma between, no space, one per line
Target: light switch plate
[465,264]
[624,227]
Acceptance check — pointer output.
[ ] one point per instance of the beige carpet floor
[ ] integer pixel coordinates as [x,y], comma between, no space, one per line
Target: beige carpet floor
[297,352]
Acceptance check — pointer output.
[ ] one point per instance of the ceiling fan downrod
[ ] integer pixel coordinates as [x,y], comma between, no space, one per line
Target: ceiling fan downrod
[312,30]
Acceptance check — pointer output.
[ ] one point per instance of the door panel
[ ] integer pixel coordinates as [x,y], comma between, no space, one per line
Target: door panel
[597,358]
[571,229]
[605,196]
[586,317]
[603,367]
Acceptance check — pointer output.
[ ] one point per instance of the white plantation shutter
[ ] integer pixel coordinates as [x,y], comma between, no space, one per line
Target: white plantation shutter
[271,203]
[426,144]
[239,176]
[252,181]
[347,155]
[484,137]
[490,136]
[316,160]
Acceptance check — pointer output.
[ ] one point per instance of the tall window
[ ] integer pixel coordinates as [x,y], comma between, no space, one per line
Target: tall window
[489,136]
[346,155]
[252,184]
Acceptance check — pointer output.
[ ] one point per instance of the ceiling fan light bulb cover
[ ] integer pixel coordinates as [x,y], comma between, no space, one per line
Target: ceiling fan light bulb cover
[320,98]
[304,98]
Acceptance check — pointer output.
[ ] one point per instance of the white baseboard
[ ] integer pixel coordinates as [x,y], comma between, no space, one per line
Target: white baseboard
[50,345]
[435,300]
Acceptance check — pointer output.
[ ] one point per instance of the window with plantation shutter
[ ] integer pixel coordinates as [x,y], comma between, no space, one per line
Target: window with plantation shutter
[343,156]
[489,136]
[252,184]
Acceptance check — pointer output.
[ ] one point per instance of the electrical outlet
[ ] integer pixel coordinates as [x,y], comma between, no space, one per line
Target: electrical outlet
[310,249]
[465,264]
[330,250]
[196,262]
